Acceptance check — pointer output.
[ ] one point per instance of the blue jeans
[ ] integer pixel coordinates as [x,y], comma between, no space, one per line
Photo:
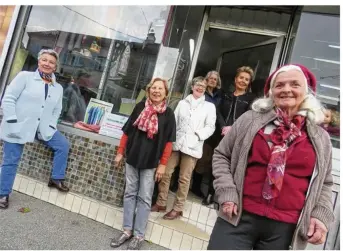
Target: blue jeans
[137,198]
[12,154]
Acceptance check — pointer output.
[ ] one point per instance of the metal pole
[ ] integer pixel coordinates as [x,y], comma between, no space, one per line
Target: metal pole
[174,74]
[137,78]
[288,35]
[196,50]
[106,69]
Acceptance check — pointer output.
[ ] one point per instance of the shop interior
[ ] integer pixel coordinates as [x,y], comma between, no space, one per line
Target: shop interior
[233,50]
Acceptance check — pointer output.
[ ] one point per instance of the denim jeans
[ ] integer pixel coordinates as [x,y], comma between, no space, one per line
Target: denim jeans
[137,198]
[12,154]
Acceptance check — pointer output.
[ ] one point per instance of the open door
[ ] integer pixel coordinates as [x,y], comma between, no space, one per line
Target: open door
[262,57]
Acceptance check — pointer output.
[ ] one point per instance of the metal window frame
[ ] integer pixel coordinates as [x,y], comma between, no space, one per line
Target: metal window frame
[196,51]
[277,52]
[281,50]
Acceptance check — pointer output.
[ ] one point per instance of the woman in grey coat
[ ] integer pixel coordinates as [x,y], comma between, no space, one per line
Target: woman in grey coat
[273,170]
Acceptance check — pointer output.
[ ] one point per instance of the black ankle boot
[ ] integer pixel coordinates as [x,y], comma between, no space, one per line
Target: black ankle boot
[208,200]
[4,202]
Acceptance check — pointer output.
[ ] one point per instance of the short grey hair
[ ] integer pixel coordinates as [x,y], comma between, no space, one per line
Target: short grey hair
[197,80]
[50,52]
[219,81]
[310,107]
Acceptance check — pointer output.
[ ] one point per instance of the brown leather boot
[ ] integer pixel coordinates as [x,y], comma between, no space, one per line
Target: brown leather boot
[157,208]
[172,215]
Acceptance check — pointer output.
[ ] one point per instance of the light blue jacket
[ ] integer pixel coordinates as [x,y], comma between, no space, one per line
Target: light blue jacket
[24,100]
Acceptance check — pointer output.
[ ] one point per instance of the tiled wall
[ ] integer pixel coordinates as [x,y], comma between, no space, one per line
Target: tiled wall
[90,170]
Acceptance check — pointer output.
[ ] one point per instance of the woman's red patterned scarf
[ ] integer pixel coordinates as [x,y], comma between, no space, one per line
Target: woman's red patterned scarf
[282,136]
[148,120]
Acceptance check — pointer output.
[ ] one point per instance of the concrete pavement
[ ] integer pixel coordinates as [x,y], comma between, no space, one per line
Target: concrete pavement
[49,227]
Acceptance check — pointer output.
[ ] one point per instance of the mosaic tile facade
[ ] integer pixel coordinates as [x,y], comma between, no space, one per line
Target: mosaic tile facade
[90,169]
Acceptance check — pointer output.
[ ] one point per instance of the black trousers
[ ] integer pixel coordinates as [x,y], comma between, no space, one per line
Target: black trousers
[253,232]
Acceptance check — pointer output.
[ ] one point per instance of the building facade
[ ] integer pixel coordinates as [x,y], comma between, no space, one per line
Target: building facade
[110,53]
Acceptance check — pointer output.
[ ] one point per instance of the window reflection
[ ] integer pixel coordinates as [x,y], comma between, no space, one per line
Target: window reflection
[318,47]
[176,53]
[106,52]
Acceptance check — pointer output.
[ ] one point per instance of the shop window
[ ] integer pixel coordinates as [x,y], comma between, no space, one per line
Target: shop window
[106,52]
[318,48]
[176,52]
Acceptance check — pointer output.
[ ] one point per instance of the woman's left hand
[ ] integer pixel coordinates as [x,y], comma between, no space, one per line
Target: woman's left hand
[316,232]
[225,130]
[161,169]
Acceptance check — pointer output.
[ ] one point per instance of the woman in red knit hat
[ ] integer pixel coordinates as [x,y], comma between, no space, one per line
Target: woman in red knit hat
[273,170]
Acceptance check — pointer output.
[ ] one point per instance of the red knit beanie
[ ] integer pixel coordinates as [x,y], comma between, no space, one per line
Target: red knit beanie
[310,78]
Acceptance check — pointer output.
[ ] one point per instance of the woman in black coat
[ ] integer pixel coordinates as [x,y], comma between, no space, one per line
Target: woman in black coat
[230,108]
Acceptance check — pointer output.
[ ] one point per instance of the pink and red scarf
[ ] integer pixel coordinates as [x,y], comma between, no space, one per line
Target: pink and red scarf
[147,121]
[282,136]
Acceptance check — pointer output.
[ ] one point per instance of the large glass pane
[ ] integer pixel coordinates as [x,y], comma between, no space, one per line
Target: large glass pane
[106,52]
[176,54]
[318,48]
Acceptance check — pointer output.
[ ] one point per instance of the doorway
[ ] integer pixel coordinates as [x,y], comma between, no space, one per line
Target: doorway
[225,51]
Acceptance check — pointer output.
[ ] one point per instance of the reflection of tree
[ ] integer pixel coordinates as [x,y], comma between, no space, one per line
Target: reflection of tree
[117,54]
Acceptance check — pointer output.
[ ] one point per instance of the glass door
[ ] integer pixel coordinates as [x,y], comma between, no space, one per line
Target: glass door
[262,57]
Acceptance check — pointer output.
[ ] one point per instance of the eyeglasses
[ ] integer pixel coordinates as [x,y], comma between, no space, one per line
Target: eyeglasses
[201,85]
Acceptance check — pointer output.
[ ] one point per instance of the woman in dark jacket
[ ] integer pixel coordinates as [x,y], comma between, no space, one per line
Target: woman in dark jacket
[234,104]
[230,108]
[213,92]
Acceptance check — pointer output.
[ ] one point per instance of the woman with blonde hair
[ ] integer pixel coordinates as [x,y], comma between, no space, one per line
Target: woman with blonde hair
[273,170]
[147,142]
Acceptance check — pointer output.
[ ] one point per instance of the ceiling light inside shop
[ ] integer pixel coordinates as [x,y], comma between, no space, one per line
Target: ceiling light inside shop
[327,97]
[327,60]
[191,47]
[334,46]
[330,86]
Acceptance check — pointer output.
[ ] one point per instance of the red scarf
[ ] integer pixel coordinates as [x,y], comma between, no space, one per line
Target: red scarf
[147,121]
[282,136]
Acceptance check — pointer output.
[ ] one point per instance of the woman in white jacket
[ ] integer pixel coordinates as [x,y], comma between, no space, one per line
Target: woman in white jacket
[195,122]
